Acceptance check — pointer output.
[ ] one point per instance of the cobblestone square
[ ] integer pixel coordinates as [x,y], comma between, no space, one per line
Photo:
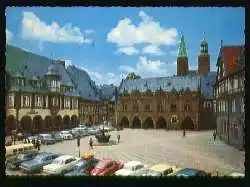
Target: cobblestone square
[197,150]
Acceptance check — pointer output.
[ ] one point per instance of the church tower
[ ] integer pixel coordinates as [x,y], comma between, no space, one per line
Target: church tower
[204,57]
[182,59]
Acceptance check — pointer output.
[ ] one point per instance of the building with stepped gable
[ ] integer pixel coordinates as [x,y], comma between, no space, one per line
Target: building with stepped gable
[230,95]
[185,101]
[43,95]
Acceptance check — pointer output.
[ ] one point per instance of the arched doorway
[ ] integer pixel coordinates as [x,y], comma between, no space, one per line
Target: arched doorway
[74,121]
[66,122]
[187,123]
[10,124]
[90,120]
[48,123]
[26,124]
[161,123]
[136,123]
[57,123]
[124,122]
[37,124]
[148,123]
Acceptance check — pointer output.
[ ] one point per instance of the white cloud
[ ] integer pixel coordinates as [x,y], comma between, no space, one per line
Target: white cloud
[68,63]
[36,29]
[152,49]
[128,50]
[151,68]
[147,31]
[173,52]
[9,36]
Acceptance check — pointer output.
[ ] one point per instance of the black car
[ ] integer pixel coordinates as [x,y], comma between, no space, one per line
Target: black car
[35,165]
[15,162]
[83,167]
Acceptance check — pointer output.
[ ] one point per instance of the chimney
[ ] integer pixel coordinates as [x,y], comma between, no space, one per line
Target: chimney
[62,62]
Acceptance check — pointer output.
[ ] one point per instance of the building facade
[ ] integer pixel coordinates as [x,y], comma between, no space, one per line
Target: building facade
[230,94]
[41,95]
[179,102]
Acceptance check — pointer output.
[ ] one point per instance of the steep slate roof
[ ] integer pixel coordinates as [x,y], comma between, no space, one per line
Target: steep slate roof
[85,86]
[205,82]
[107,91]
[230,55]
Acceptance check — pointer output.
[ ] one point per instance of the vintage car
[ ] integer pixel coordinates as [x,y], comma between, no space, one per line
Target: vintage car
[131,168]
[15,162]
[106,167]
[18,148]
[159,170]
[36,164]
[57,136]
[83,167]
[191,172]
[46,139]
[66,135]
[61,165]
[236,174]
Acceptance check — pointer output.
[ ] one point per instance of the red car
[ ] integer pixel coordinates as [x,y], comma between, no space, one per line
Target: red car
[106,167]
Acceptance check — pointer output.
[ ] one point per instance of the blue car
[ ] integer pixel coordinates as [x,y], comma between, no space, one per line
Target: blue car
[83,167]
[35,165]
[191,172]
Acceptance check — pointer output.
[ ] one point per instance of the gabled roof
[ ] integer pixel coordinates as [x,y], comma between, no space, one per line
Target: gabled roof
[230,55]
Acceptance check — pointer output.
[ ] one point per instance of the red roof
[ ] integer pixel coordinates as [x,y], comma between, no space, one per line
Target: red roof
[230,54]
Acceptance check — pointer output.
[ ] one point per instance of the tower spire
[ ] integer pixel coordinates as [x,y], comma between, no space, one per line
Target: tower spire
[182,48]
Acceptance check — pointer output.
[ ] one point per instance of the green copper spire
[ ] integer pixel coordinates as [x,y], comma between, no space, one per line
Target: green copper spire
[182,48]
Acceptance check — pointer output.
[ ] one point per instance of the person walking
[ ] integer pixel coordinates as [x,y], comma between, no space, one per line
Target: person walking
[118,138]
[90,143]
[214,134]
[184,133]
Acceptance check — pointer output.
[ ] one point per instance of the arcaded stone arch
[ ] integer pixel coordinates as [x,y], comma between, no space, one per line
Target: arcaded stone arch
[66,122]
[37,125]
[187,123]
[57,123]
[124,122]
[148,123]
[48,123]
[136,123]
[26,124]
[161,123]
[10,124]
[74,121]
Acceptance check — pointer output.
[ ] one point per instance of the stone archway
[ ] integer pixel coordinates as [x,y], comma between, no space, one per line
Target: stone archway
[37,125]
[187,123]
[26,124]
[57,123]
[74,121]
[148,123]
[124,122]
[66,122]
[48,123]
[136,123]
[10,124]
[161,123]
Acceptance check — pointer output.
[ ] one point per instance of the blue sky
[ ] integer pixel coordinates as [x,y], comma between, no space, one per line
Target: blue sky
[109,42]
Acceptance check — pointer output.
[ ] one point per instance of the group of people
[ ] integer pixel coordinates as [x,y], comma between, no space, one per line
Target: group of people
[35,142]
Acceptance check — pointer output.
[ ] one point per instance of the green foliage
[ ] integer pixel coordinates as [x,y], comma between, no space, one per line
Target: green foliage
[174,90]
[132,76]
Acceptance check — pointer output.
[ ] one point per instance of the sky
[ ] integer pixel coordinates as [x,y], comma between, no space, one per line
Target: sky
[110,42]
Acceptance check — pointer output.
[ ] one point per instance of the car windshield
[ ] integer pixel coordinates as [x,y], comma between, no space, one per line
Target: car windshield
[57,161]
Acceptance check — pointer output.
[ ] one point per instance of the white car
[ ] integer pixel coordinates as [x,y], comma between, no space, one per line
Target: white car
[66,135]
[236,174]
[61,165]
[131,168]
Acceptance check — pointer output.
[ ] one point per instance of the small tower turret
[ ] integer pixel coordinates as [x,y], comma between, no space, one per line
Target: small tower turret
[204,57]
[182,59]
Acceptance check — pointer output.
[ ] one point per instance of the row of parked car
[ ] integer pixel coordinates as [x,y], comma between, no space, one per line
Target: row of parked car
[33,161]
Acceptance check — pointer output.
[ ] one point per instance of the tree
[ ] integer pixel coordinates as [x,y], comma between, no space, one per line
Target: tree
[132,76]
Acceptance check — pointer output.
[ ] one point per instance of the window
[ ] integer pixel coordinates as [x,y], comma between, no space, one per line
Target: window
[186,107]
[26,101]
[235,82]
[233,105]
[38,101]
[67,102]
[173,108]
[135,107]
[159,108]
[174,119]
[147,107]
[55,101]
[11,100]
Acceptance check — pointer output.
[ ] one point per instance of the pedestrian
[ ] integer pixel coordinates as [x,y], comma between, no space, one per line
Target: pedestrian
[214,134]
[14,139]
[184,133]
[90,143]
[118,138]
[38,145]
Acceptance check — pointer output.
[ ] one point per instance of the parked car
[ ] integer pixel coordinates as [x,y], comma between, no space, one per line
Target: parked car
[36,164]
[130,168]
[159,170]
[106,167]
[57,136]
[18,148]
[61,165]
[190,172]
[66,135]
[15,162]
[83,167]
[236,174]
[32,138]
[46,139]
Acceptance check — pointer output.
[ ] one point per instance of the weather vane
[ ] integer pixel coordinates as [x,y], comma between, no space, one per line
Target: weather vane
[204,35]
